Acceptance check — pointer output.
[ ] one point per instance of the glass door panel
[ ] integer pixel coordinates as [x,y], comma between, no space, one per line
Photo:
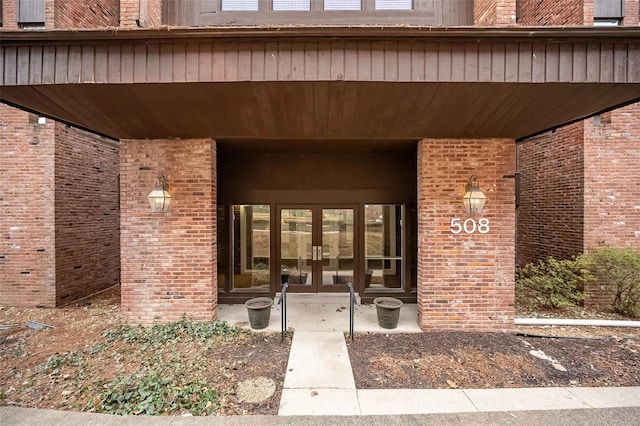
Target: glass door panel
[296,246]
[338,254]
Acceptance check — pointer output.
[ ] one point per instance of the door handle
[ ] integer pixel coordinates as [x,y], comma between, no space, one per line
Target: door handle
[319,252]
[314,256]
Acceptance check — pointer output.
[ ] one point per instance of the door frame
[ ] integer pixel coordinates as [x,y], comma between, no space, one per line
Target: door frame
[317,285]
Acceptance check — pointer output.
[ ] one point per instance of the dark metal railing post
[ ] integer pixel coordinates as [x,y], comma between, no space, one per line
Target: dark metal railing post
[352,306]
[283,315]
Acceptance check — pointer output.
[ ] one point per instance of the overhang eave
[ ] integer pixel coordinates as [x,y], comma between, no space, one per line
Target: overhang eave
[300,83]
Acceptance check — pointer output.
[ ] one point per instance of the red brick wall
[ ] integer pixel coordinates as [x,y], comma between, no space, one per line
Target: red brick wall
[168,259]
[27,247]
[81,14]
[87,222]
[465,281]
[148,13]
[612,186]
[484,13]
[612,179]
[555,12]
[494,12]
[550,211]
[632,13]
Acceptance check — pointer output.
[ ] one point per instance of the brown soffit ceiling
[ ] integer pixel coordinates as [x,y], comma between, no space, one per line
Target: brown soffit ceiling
[323,110]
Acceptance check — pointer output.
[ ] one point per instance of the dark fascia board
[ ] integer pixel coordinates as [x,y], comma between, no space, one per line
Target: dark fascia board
[183,34]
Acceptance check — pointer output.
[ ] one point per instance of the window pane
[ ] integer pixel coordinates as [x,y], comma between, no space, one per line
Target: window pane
[291,5]
[245,5]
[337,246]
[251,242]
[342,4]
[394,4]
[383,246]
[296,240]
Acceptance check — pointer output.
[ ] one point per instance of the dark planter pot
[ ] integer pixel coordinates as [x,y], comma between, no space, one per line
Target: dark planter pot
[259,310]
[388,310]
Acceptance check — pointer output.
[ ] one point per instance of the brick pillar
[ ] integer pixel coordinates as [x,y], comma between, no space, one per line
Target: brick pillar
[465,280]
[168,259]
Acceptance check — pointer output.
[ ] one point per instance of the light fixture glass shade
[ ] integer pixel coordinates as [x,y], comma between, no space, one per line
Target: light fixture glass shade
[160,198]
[474,199]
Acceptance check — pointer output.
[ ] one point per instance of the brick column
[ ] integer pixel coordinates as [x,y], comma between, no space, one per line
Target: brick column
[168,259]
[465,280]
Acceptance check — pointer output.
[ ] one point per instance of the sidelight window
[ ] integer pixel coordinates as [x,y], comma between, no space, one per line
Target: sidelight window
[383,246]
[251,247]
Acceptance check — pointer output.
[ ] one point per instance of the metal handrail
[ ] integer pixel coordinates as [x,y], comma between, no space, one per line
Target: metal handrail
[283,315]
[353,302]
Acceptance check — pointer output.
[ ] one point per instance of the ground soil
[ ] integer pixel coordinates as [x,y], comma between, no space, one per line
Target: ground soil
[79,330]
[600,357]
[591,356]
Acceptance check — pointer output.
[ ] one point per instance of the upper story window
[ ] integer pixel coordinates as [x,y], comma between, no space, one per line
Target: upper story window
[606,22]
[239,5]
[306,5]
[394,4]
[284,5]
[608,13]
[31,14]
[342,5]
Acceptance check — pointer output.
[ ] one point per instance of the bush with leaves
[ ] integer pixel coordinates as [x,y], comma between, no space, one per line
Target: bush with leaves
[617,271]
[551,283]
[148,393]
[166,381]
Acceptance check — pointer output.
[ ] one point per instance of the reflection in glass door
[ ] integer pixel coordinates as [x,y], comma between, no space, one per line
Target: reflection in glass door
[296,246]
[337,249]
[317,248]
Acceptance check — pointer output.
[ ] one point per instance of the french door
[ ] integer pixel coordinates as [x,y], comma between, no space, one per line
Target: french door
[316,247]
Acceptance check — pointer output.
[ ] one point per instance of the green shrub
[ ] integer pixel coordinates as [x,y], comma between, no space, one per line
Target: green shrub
[149,393]
[617,271]
[551,283]
[162,334]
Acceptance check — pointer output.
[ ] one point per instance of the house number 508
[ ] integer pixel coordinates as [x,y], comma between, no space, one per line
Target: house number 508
[469,226]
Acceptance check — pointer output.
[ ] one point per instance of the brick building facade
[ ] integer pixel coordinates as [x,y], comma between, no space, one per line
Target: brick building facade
[578,188]
[316,155]
[60,224]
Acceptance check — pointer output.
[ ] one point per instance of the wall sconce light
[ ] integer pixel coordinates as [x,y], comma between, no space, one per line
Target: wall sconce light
[473,198]
[160,198]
